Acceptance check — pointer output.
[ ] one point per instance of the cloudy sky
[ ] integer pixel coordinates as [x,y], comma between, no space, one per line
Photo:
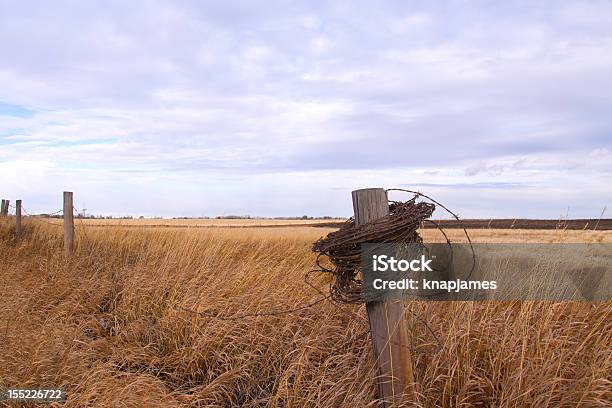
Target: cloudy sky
[282,108]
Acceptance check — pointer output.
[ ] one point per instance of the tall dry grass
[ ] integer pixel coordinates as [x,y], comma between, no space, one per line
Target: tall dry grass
[107,325]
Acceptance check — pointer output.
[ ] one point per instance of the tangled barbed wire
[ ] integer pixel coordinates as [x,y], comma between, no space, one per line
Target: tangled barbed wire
[343,247]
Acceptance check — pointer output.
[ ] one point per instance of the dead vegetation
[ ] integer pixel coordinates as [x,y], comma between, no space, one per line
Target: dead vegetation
[107,325]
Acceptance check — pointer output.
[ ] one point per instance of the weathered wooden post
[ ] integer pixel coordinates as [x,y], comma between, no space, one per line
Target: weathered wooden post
[68,223]
[18,217]
[388,327]
[4,208]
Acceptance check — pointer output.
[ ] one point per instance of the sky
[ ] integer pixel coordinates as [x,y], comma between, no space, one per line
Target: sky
[278,108]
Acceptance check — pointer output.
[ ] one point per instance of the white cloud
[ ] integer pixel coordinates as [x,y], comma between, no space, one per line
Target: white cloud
[310,21]
[139,98]
[600,152]
[410,23]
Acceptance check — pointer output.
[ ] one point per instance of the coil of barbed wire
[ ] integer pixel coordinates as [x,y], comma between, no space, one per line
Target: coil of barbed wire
[343,247]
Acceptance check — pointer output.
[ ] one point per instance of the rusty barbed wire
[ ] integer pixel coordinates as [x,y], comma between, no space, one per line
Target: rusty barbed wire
[343,247]
[42,218]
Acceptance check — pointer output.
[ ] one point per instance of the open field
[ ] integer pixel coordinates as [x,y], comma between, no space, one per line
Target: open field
[514,224]
[517,223]
[109,325]
[193,222]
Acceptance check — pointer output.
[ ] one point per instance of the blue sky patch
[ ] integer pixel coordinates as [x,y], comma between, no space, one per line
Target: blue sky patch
[15,110]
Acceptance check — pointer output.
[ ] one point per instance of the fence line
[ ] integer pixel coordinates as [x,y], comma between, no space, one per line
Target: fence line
[45,217]
[388,327]
[67,220]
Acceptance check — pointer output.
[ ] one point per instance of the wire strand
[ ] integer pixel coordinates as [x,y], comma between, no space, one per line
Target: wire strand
[342,249]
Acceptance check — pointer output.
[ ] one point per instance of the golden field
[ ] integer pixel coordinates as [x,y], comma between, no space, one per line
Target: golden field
[109,325]
[193,222]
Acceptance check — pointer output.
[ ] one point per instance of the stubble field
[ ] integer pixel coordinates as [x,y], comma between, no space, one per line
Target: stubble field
[110,325]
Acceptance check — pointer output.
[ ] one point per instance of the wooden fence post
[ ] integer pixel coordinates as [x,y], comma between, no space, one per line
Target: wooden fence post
[7,204]
[18,217]
[68,223]
[4,208]
[388,327]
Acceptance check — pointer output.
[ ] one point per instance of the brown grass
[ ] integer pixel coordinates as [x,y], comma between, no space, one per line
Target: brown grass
[106,324]
[193,222]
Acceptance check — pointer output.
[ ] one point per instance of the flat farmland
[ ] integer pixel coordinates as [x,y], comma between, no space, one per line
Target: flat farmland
[196,222]
[114,323]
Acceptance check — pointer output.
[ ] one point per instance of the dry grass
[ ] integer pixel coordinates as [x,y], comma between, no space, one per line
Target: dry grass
[106,325]
[193,222]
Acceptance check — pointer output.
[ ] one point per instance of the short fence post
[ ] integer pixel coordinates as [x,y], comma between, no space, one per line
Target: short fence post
[18,217]
[388,327]
[2,208]
[68,223]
